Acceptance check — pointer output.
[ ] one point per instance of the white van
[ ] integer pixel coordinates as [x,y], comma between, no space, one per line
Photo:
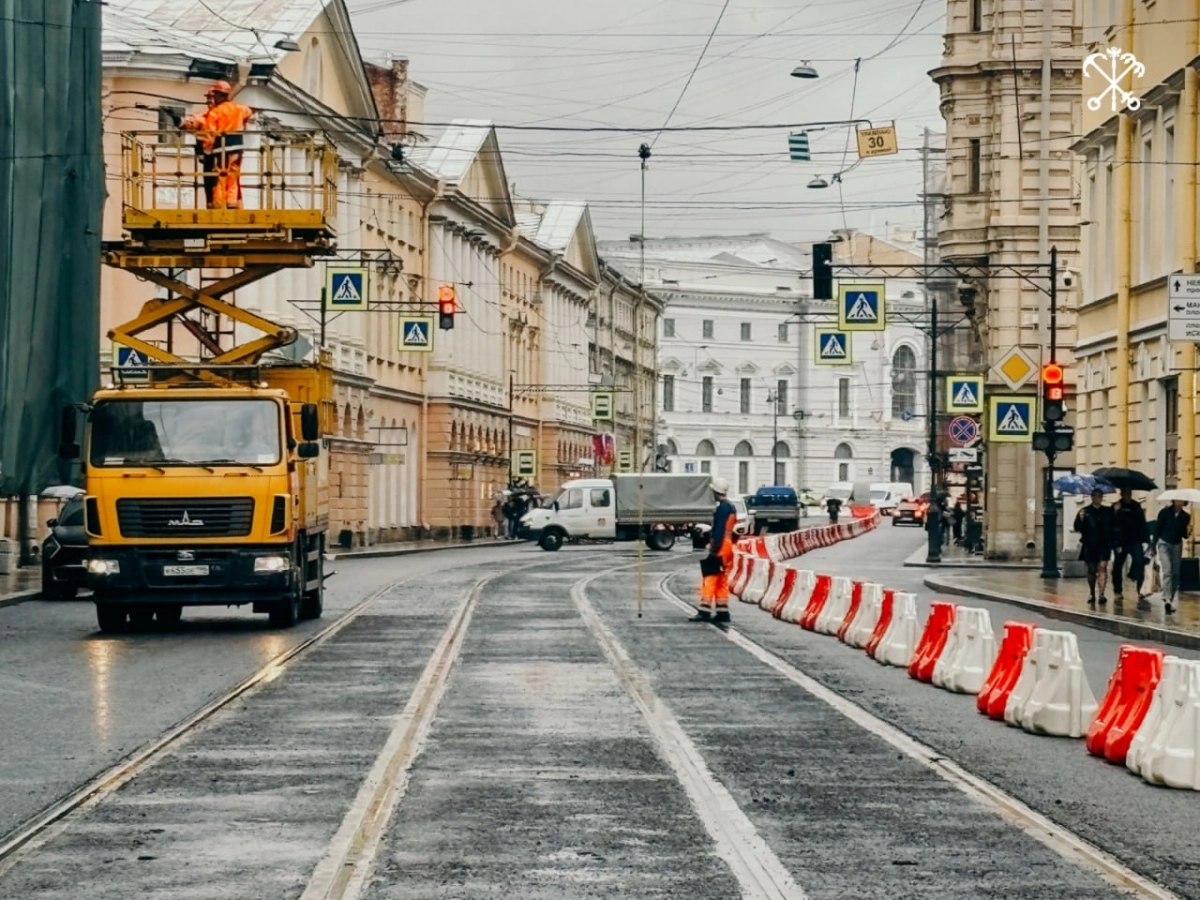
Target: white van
[886,495]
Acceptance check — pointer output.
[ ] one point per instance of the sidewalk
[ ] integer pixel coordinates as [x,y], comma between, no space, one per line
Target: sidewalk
[1066,600]
[957,558]
[20,585]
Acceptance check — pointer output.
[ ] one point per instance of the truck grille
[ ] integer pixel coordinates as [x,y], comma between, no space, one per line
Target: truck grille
[198,517]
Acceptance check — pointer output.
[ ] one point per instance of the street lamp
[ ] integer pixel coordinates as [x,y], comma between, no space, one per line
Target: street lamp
[804,70]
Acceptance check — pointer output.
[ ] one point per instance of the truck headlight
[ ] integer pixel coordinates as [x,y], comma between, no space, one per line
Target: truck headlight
[270,563]
[103,567]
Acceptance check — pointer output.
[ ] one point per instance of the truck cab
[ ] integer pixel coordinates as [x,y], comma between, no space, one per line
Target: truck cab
[582,508]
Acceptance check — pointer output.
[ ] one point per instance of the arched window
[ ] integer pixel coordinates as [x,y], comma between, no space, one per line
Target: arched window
[706,448]
[744,448]
[782,450]
[672,448]
[904,382]
[843,451]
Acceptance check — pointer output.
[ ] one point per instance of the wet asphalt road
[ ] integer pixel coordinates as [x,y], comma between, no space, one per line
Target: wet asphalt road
[540,778]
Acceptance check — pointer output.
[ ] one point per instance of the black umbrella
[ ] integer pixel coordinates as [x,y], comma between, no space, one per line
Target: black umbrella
[1126,478]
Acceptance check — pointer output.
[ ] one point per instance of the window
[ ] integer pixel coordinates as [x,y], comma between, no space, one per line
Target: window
[1171,427]
[572,499]
[1146,211]
[781,391]
[744,448]
[1171,406]
[668,328]
[167,116]
[1167,263]
[780,472]
[706,467]
[844,398]
[706,394]
[706,328]
[668,403]
[904,383]
[976,15]
[783,332]
[843,472]
[843,451]
[743,478]
[745,396]
[601,498]
[781,453]
[974,166]
[672,448]
[706,448]
[745,331]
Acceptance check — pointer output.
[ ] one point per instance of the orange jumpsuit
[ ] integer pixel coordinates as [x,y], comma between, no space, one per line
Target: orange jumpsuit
[218,129]
[714,589]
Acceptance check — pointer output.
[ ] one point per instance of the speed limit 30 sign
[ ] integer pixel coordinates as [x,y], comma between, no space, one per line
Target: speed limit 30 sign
[877,141]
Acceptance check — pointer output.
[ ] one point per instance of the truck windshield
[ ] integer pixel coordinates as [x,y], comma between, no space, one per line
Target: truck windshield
[185,432]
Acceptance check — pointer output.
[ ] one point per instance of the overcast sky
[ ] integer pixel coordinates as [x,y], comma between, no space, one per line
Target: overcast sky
[589,63]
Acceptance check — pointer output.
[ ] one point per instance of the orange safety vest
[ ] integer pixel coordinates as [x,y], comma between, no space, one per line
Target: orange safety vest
[223,119]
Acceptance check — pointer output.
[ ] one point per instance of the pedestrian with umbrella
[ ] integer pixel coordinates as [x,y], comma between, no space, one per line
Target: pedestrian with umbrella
[1173,526]
[1131,533]
[1096,525]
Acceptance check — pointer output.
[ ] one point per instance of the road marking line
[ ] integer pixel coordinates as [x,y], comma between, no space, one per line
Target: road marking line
[53,821]
[761,875]
[346,866]
[1058,838]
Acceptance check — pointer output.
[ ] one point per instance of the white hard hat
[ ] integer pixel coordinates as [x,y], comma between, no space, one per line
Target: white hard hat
[720,486]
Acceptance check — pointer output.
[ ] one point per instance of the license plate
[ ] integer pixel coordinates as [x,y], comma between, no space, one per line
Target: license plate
[185,570]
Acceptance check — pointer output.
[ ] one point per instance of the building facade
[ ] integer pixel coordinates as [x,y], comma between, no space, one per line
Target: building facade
[1136,387]
[1010,96]
[741,392]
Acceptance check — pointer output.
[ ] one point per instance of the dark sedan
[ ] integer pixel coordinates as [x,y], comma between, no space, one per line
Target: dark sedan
[63,553]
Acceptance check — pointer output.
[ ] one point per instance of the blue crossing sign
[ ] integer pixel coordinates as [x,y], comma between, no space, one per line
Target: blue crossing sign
[416,334]
[834,348]
[1011,420]
[861,307]
[131,363]
[346,288]
[964,393]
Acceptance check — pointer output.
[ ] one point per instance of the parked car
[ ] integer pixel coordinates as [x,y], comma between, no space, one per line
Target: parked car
[912,511]
[64,551]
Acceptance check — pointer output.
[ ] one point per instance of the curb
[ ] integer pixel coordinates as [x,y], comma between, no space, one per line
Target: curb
[409,551]
[20,597]
[916,560]
[1142,631]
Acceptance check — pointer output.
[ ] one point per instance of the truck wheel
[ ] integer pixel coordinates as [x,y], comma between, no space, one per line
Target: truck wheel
[313,603]
[660,540]
[110,617]
[168,616]
[551,541]
[286,612]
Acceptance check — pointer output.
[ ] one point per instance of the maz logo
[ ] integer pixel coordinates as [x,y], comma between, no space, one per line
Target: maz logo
[185,521]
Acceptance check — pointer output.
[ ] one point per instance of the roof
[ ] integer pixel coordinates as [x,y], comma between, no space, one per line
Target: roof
[559,223]
[449,158]
[225,29]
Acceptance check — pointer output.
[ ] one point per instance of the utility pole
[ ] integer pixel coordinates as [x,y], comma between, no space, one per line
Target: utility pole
[933,521]
[644,155]
[773,398]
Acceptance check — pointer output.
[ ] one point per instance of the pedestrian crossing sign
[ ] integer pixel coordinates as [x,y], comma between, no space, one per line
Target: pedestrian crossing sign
[834,348]
[130,363]
[964,394]
[861,307]
[1011,419]
[346,288]
[416,334]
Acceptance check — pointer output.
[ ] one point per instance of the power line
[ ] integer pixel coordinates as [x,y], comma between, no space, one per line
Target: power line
[692,74]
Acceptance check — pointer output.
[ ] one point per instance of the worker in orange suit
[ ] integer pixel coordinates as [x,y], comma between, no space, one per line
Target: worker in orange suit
[714,589]
[218,131]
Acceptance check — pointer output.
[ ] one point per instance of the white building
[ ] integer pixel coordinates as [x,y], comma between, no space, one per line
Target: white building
[741,394]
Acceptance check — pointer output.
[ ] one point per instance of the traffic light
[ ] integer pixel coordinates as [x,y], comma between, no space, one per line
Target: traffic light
[1052,393]
[822,271]
[447,303]
[1053,441]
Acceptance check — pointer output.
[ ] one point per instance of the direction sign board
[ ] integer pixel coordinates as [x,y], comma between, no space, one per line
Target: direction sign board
[834,348]
[877,141]
[964,455]
[416,333]
[524,463]
[963,430]
[345,288]
[964,393]
[1183,307]
[131,363]
[861,307]
[1011,419]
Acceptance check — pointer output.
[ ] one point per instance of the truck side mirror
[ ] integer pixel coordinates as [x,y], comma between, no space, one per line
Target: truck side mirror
[309,450]
[310,423]
[68,448]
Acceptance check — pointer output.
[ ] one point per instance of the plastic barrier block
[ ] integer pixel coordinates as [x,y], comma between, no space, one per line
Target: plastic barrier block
[994,694]
[969,654]
[867,617]
[881,626]
[764,571]
[834,612]
[1056,699]
[1172,669]
[774,587]
[848,620]
[1125,703]
[816,602]
[797,600]
[933,640]
[899,641]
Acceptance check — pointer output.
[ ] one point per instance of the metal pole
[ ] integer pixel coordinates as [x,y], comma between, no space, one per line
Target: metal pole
[934,515]
[1049,509]
[322,321]
[510,430]
[775,443]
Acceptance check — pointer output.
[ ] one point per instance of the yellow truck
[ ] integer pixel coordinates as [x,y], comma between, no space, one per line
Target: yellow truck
[206,490]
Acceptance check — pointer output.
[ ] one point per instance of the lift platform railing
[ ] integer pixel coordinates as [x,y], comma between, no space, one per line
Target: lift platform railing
[288,183]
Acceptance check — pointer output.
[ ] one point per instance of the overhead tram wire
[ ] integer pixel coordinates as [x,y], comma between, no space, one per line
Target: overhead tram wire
[687,84]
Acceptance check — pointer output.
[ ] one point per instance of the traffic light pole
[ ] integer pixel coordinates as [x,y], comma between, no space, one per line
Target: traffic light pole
[1049,510]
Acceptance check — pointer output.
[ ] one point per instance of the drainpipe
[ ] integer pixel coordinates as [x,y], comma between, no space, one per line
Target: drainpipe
[1123,173]
[1186,252]
[426,297]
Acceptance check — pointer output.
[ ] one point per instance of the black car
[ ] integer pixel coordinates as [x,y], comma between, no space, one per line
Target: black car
[63,553]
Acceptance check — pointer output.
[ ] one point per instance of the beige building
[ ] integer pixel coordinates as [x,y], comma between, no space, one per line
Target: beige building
[1136,387]
[1009,81]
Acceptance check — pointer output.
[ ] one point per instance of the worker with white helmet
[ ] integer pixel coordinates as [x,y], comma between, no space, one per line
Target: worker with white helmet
[714,586]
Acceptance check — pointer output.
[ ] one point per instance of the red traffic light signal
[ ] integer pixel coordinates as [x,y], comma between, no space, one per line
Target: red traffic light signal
[1052,373]
[447,304]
